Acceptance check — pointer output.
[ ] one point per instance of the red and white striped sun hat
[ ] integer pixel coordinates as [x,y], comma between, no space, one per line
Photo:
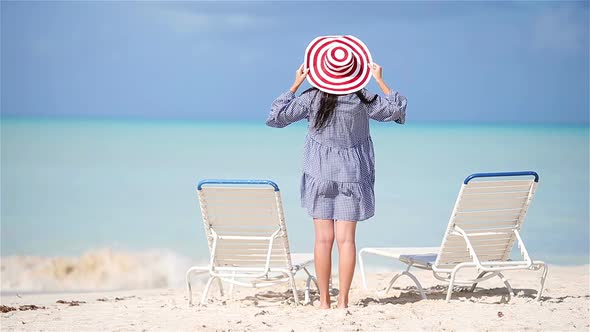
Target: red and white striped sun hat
[338,64]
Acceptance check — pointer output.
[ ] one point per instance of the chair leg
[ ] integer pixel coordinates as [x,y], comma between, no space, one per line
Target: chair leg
[206,291]
[472,289]
[307,290]
[362,268]
[392,281]
[451,283]
[189,273]
[510,291]
[310,278]
[220,285]
[188,285]
[294,288]
[543,277]
[420,289]
[231,286]
[409,275]
[315,281]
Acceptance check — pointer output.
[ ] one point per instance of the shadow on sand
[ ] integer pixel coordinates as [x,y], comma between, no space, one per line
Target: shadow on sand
[410,295]
[439,292]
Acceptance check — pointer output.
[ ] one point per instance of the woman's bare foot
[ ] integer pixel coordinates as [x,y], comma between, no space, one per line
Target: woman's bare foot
[325,301]
[342,304]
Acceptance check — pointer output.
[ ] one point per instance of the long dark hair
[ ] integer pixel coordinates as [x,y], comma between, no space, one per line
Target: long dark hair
[328,104]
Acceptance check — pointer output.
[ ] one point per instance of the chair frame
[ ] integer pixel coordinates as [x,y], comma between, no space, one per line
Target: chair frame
[486,269]
[256,277]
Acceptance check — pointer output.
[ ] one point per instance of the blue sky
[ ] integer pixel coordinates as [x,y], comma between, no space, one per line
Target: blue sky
[492,62]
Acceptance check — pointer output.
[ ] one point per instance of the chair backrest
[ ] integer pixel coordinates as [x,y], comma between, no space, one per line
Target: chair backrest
[490,210]
[245,225]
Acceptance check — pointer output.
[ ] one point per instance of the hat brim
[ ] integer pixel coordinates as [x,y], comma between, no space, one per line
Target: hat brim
[325,78]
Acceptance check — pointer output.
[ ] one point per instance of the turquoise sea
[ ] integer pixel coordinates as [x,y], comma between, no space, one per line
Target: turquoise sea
[72,186]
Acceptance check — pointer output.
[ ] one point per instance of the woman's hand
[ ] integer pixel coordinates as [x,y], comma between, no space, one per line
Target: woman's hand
[378,74]
[377,71]
[300,76]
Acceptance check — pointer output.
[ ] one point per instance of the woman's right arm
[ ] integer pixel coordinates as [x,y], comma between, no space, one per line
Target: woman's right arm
[390,108]
[287,108]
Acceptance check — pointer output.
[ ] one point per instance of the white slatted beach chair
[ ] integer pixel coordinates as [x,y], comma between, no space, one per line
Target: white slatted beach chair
[247,237]
[485,223]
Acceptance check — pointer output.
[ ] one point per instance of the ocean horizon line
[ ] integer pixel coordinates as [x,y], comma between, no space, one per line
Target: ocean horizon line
[252,122]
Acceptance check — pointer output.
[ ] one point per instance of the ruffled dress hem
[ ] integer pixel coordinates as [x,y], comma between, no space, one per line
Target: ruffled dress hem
[326,199]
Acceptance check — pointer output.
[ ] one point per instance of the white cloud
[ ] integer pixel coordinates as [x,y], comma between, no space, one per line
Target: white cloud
[183,20]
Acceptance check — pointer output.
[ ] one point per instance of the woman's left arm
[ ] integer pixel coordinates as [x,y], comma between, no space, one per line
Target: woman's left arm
[390,108]
[288,108]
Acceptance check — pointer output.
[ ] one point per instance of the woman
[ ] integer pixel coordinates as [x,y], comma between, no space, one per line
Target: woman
[338,161]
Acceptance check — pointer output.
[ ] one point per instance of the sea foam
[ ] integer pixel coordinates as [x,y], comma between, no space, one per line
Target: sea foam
[102,269]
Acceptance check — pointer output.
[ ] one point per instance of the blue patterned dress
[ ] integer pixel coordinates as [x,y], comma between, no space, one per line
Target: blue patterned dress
[338,160]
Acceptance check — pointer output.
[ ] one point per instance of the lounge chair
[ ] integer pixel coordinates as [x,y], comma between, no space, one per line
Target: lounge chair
[485,223]
[247,237]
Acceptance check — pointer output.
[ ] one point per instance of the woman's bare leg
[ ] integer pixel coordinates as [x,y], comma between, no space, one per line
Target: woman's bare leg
[345,237]
[324,240]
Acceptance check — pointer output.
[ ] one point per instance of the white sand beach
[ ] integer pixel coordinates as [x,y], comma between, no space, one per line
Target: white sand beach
[565,306]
